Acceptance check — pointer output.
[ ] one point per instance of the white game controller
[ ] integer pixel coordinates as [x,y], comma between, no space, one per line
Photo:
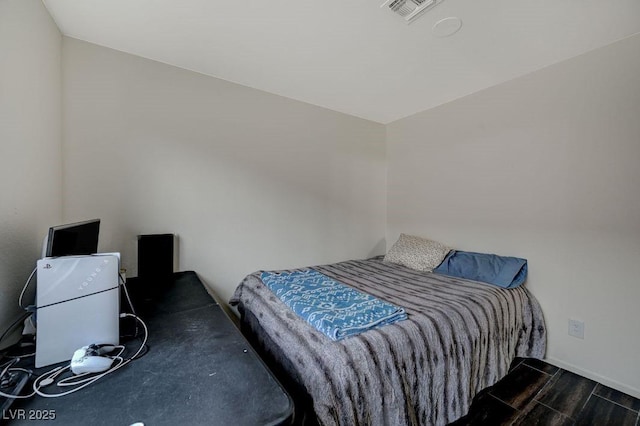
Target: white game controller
[88,359]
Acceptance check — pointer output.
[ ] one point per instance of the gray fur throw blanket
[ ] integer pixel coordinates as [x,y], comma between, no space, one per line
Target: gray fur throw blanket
[460,337]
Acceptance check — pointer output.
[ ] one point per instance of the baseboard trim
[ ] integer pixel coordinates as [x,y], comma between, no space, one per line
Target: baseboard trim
[594,376]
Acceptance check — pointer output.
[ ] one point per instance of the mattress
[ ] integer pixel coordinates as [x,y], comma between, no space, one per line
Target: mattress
[460,337]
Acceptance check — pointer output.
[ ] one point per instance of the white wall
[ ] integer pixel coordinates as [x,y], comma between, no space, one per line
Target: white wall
[30,142]
[248,180]
[545,167]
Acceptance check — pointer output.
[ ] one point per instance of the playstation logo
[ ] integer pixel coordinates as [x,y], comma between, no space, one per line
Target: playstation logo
[47,266]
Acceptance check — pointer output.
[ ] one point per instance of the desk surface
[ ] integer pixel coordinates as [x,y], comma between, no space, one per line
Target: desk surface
[199,370]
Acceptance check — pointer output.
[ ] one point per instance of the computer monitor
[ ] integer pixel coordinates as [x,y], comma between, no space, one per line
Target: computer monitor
[79,238]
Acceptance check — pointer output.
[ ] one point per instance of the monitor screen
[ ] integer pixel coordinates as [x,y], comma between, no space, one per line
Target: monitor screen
[73,239]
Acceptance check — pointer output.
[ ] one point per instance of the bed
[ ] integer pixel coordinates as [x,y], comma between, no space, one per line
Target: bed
[460,337]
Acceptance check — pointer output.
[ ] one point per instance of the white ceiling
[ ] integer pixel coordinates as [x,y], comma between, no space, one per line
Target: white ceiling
[351,55]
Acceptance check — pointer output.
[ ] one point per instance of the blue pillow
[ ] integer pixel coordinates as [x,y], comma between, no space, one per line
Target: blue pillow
[503,271]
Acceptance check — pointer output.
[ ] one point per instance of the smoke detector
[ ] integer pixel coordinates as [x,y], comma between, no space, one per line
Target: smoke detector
[410,10]
[447,27]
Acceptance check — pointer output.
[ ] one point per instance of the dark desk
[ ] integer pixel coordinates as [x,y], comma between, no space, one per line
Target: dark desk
[199,370]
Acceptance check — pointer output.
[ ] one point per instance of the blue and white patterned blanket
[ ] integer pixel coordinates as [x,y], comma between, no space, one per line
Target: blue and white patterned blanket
[331,307]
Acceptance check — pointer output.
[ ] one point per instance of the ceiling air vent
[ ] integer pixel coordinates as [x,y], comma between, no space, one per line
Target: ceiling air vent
[410,10]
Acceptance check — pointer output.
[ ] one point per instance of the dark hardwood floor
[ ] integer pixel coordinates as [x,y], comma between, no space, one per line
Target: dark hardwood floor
[537,393]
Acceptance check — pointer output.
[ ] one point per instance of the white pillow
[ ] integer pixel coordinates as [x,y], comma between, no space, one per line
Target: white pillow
[417,253]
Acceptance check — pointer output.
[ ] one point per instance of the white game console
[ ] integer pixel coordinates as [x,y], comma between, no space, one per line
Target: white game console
[77,304]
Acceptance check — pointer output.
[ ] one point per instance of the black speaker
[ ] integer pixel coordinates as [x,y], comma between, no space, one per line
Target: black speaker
[155,258]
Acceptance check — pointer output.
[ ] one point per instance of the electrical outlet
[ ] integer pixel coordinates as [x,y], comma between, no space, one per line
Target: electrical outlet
[576,328]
